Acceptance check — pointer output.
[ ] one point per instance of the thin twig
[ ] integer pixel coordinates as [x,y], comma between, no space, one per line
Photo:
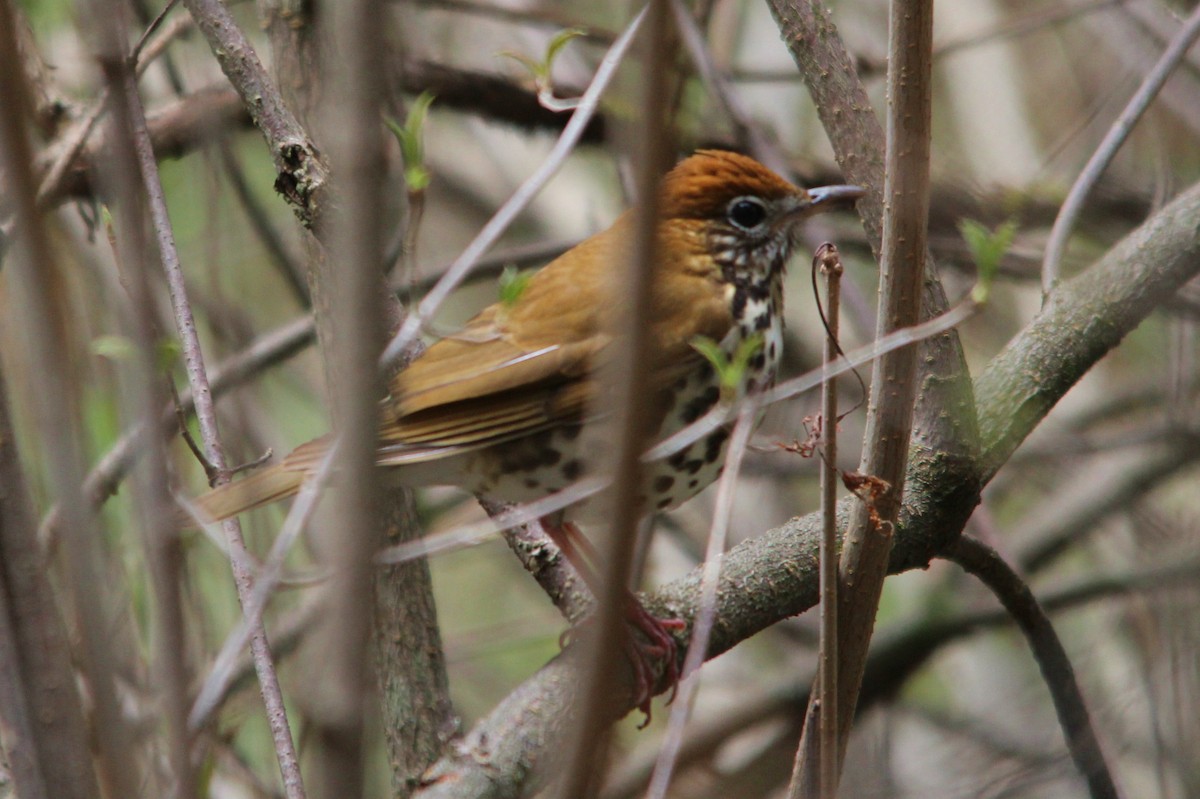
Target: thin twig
[151,28]
[588,739]
[746,130]
[223,670]
[706,615]
[525,193]
[161,543]
[982,561]
[206,416]
[1056,245]
[513,516]
[827,718]
[547,17]
[903,337]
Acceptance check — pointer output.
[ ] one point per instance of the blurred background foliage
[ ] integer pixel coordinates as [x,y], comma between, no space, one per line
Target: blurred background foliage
[1024,90]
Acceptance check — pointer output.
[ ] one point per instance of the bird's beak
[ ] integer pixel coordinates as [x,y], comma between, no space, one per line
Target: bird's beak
[827,198]
[817,201]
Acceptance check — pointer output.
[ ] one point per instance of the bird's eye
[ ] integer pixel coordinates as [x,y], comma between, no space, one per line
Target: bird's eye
[746,213]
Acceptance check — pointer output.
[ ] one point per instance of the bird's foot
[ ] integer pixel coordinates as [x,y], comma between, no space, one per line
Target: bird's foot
[651,649]
[651,642]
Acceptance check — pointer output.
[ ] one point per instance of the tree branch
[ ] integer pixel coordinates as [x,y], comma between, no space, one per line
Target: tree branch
[301,173]
[983,562]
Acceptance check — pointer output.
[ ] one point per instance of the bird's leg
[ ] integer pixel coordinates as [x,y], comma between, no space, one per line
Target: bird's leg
[655,642]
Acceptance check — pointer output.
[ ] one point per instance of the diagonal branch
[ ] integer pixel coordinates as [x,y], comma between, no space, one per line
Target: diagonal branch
[302,175]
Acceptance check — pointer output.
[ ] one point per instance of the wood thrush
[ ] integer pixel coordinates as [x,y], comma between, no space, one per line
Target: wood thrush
[499,408]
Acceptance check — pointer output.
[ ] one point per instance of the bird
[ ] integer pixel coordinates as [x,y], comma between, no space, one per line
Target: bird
[501,408]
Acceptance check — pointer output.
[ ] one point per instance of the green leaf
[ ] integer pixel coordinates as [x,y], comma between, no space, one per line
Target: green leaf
[113,347]
[747,349]
[558,42]
[731,372]
[121,348]
[513,283]
[535,68]
[987,248]
[712,351]
[410,137]
[540,70]
[168,353]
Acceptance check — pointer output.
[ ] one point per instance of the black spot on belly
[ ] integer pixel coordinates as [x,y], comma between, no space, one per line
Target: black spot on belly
[698,406]
[551,456]
[739,301]
[663,483]
[771,350]
[693,483]
[572,469]
[530,482]
[713,444]
[694,466]
[678,458]
[664,503]
[758,361]
[763,321]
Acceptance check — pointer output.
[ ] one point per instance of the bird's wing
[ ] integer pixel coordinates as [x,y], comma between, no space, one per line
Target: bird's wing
[525,366]
[517,367]
[488,359]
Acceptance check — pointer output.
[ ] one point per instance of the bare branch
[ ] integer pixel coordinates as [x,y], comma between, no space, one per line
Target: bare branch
[301,174]
[1056,246]
[983,562]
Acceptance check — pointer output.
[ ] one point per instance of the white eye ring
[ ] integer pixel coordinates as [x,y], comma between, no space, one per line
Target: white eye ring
[746,213]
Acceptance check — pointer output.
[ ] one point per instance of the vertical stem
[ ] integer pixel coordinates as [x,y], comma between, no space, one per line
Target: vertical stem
[206,417]
[815,771]
[894,380]
[831,267]
[867,544]
[340,682]
[631,384]
[34,282]
[160,538]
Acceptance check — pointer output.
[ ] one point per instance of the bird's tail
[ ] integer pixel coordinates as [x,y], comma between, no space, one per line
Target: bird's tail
[261,488]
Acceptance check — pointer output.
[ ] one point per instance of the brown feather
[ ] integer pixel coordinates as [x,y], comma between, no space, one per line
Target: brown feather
[261,488]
